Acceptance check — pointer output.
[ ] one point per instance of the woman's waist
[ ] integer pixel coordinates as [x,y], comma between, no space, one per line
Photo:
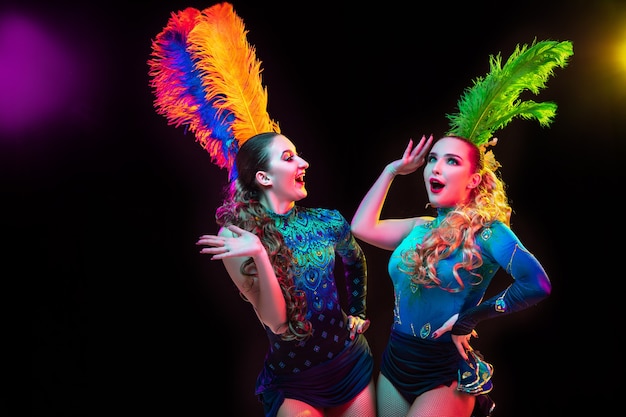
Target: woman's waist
[290,357]
[421,330]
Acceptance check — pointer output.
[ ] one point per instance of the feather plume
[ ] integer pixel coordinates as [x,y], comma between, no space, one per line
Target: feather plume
[231,76]
[176,82]
[206,77]
[494,101]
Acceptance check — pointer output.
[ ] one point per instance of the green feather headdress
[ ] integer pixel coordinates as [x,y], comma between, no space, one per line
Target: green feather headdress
[493,101]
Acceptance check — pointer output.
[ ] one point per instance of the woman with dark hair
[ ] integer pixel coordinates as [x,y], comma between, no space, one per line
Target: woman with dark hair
[281,256]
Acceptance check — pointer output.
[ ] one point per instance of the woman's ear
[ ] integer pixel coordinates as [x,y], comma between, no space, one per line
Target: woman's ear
[475,179]
[263,179]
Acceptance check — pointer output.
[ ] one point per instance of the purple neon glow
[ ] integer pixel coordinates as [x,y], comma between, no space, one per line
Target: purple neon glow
[42,75]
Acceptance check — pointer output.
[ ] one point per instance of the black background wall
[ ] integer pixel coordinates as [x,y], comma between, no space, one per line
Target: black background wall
[103,201]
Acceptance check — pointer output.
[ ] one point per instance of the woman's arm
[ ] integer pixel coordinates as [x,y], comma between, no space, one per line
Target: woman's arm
[366,223]
[234,246]
[530,281]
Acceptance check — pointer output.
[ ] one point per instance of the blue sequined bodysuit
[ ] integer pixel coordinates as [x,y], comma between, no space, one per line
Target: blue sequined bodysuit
[419,311]
[328,368]
[413,361]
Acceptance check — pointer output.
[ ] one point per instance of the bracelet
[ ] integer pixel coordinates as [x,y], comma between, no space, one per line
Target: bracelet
[392,170]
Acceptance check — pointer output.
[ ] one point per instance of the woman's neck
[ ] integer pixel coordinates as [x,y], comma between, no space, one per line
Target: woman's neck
[277,206]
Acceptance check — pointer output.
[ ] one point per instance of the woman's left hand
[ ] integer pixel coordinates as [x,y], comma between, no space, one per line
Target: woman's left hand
[462,343]
[357,325]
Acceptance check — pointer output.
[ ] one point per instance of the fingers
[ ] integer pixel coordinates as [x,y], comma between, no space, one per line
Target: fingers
[462,352]
[407,151]
[423,144]
[462,346]
[216,246]
[459,347]
[208,237]
[413,156]
[466,344]
[352,326]
[210,240]
[418,154]
[364,326]
[235,229]
[443,329]
[357,325]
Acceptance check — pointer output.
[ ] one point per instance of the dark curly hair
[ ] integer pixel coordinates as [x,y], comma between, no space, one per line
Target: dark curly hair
[242,207]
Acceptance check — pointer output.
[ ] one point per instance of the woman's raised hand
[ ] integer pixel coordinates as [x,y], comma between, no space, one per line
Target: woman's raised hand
[231,242]
[413,157]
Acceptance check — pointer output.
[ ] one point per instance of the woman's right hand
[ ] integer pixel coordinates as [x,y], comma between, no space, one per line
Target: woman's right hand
[413,158]
[462,342]
[357,325]
[232,241]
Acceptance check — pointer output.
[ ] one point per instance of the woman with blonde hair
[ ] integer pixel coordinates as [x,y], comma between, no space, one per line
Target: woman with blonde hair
[441,265]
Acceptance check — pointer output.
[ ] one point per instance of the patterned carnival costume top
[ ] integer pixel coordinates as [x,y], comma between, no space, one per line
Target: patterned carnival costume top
[415,362]
[291,368]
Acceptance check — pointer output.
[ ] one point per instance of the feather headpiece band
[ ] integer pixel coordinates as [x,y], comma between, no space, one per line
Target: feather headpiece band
[493,101]
[206,77]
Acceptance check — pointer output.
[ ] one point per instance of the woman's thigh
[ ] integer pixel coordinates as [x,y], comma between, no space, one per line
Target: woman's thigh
[296,408]
[443,401]
[389,401]
[363,405]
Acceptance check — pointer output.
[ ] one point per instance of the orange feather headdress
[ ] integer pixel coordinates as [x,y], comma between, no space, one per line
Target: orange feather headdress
[206,77]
